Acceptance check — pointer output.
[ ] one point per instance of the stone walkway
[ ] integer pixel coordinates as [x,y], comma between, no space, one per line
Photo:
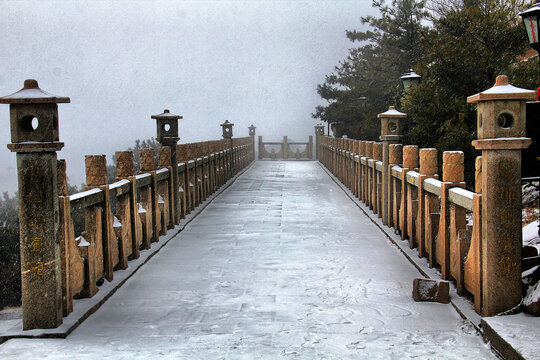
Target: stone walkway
[281,265]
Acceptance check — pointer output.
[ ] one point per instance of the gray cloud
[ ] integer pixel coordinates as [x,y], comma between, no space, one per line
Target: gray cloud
[120,62]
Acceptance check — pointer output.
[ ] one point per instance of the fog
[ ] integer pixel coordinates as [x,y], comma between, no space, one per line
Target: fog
[250,62]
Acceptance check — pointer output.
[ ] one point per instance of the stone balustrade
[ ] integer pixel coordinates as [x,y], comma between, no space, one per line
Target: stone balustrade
[121,219]
[127,216]
[481,252]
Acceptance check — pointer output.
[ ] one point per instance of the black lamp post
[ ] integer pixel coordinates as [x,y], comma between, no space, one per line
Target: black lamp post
[409,79]
[530,20]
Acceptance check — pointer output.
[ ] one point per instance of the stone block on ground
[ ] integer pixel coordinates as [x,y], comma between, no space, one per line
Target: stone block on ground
[431,290]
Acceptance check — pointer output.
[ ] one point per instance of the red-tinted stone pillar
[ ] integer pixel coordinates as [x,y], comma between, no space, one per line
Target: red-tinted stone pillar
[501,137]
[391,133]
[35,139]
[167,135]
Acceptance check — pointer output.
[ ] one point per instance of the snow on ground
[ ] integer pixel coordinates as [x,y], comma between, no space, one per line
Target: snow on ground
[530,235]
[281,265]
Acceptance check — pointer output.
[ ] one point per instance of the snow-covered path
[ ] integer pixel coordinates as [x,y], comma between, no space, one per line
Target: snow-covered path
[281,265]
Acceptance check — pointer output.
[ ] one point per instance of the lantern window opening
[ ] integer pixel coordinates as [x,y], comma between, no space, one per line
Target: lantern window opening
[505,120]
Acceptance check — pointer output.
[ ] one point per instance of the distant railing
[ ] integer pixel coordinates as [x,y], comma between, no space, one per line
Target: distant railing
[286,150]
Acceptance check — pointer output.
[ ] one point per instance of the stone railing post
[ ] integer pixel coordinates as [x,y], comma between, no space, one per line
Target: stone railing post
[376,191]
[35,139]
[361,172]
[391,133]
[96,177]
[319,131]
[501,138]
[261,148]
[428,169]
[369,177]
[164,161]
[395,155]
[410,163]
[96,171]
[252,134]
[149,197]
[453,176]
[125,170]
[227,128]
[167,135]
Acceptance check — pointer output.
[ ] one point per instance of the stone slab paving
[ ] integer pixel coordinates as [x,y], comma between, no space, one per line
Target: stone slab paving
[281,265]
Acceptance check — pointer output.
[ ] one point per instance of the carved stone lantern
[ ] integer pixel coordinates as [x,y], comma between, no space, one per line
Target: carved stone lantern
[501,138]
[227,129]
[167,135]
[35,139]
[167,126]
[392,124]
[319,129]
[391,133]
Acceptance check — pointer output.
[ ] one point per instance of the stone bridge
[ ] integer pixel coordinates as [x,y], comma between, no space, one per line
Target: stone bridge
[206,253]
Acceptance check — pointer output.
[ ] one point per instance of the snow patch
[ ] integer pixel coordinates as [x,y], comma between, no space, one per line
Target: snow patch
[141,209]
[530,235]
[533,295]
[82,241]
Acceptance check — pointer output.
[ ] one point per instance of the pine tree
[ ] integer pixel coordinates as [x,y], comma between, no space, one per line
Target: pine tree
[367,82]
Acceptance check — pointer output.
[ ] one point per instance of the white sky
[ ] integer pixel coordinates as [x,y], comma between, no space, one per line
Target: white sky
[120,62]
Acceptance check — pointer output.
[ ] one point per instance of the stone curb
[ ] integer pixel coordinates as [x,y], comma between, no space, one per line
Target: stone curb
[464,308]
[83,308]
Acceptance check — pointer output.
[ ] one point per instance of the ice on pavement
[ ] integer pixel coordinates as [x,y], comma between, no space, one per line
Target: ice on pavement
[281,265]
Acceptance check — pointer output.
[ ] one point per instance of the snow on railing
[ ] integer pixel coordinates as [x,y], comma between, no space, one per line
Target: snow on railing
[429,213]
[120,219]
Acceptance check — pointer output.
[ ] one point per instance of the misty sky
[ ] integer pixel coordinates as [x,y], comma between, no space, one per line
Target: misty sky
[120,62]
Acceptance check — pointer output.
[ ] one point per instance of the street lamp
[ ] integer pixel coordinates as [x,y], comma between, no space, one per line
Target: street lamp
[409,79]
[530,20]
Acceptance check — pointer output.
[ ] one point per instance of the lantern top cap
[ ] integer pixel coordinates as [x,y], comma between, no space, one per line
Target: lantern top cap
[227,123]
[251,127]
[392,112]
[502,90]
[410,75]
[531,11]
[166,115]
[32,94]
[319,125]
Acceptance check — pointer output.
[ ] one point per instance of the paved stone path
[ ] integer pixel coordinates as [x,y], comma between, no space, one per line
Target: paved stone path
[281,265]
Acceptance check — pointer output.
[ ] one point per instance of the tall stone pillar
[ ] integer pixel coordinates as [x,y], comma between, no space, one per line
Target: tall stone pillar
[252,134]
[261,148]
[391,133]
[319,131]
[501,138]
[35,139]
[227,128]
[167,135]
